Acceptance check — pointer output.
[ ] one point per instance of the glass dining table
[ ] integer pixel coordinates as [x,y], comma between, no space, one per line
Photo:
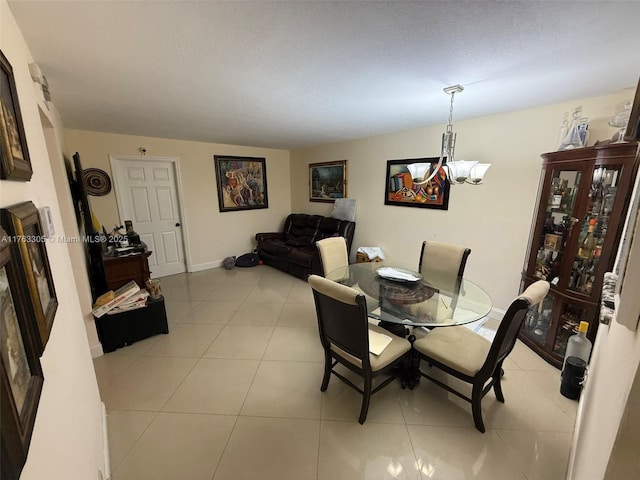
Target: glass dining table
[399,297]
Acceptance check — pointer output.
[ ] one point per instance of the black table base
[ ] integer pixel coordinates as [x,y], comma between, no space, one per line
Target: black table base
[408,370]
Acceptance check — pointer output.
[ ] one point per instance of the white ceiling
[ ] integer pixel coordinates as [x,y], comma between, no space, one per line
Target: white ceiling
[290,74]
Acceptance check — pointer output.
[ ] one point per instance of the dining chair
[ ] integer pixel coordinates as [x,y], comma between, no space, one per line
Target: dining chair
[333,254]
[443,263]
[344,334]
[473,359]
[442,266]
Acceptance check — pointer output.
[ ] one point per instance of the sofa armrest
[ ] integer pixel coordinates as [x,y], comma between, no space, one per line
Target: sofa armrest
[261,237]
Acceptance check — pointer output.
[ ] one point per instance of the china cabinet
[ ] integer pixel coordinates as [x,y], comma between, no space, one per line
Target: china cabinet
[583,197]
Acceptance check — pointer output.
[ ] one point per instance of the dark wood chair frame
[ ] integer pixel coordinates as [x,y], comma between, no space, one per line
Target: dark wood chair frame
[347,327]
[501,347]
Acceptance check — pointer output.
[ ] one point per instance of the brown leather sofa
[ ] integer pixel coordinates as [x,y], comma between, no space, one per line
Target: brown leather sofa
[293,250]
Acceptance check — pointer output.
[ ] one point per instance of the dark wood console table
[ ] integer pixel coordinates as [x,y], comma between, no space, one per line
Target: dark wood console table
[118,270]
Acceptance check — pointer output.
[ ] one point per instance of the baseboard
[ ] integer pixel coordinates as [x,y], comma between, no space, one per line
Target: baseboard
[96,351]
[105,443]
[487,326]
[206,266]
[496,313]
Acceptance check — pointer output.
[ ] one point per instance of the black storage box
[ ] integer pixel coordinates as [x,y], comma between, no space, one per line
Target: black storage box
[122,329]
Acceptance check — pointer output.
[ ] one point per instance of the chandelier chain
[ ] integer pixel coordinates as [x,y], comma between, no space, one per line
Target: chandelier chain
[451,110]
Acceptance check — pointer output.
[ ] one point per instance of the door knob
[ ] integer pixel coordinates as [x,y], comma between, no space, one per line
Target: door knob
[177,224]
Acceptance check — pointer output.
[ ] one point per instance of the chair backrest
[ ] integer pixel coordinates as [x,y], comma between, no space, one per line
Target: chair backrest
[442,265]
[505,337]
[342,319]
[333,253]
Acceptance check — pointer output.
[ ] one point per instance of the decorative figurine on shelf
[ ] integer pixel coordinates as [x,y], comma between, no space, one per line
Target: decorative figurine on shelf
[564,129]
[620,120]
[153,287]
[118,238]
[132,236]
[583,130]
[577,133]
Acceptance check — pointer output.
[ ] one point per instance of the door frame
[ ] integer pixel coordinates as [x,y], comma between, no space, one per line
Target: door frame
[175,163]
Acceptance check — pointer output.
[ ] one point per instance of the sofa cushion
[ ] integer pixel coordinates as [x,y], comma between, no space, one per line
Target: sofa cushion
[302,256]
[302,230]
[275,247]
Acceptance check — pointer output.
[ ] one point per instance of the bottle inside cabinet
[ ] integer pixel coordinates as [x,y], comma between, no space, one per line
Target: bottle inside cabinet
[557,225]
[570,318]
[602,194]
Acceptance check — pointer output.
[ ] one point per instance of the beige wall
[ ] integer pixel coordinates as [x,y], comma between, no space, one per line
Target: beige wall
[624,462]
[608,422]
[53,132]
[67,437]
[211,235]
[493,219]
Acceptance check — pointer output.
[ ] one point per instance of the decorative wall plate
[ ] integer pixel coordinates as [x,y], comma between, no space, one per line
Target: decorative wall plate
[97,181]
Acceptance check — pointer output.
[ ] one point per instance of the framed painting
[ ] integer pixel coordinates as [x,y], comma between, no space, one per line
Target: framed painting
[406,184]
[22,222]
[327,181]
[241,182]
[20,371]
[14,156]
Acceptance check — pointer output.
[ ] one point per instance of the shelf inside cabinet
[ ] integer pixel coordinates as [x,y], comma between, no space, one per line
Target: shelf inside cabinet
[538,321]
[570,317]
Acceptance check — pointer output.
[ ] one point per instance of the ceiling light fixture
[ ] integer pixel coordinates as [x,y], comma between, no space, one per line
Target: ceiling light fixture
[459,171]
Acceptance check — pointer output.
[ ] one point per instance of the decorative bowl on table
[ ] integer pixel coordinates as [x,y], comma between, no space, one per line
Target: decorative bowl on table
[401,275]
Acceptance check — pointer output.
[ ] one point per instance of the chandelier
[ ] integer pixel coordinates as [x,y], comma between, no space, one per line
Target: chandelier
[459,171]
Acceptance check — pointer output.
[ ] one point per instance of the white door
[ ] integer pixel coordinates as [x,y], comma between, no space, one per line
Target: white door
[146,191]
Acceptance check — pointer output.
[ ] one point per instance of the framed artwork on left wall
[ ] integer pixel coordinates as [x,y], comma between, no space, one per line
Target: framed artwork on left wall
[14,156]
[20,371]
[22,222]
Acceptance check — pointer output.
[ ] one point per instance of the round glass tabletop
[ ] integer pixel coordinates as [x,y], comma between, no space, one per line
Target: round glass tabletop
[428,302]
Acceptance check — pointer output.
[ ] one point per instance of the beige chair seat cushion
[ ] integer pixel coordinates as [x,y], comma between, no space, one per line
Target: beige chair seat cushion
[456,347]
[393,351]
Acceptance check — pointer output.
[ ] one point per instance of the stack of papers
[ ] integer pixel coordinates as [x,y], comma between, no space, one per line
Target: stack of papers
[112,299]
[134,302]
[378,342]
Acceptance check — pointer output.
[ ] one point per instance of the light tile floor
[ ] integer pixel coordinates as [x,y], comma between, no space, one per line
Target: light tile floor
[233,393]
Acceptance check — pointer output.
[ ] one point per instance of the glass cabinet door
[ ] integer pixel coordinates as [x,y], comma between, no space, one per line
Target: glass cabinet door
[594,226]
[571,314]
[539,319]
[558,222]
